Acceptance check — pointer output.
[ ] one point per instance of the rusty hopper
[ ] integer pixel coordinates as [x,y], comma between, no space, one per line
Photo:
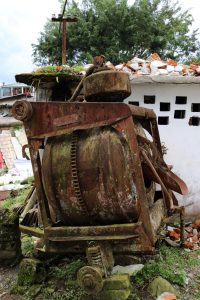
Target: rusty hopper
[95,166]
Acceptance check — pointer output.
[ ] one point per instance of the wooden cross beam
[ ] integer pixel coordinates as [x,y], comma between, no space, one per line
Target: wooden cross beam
[64,21]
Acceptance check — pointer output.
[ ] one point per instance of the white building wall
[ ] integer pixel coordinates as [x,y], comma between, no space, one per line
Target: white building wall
[181,139]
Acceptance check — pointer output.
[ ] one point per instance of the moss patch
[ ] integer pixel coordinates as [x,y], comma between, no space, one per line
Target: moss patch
[174,265]
[15,200]
[31,271]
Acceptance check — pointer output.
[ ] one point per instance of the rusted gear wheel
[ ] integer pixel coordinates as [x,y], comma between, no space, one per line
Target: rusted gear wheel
[22,110]
[90,279]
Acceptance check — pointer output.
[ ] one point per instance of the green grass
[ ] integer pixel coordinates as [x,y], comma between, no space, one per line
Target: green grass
[58,70]
[172,266]
[27,246]
[176,266]
[66,271]
[11,201]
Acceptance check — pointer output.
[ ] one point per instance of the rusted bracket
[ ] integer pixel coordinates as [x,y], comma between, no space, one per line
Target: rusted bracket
[24,155]
[168,196]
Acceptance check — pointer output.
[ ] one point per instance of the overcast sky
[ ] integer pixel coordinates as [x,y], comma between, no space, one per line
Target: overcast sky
[20,24]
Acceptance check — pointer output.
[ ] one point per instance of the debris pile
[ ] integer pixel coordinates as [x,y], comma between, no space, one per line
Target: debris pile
[191,236]
[154,65]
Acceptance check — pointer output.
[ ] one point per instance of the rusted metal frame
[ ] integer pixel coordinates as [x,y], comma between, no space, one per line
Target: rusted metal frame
[126,128]
[105,230]
[166,192]
[24,155]
[32,231]
[156,139]
[36,165]
[137,245]
[141,112]
[155,135]
[79,127]
[93,238]
[182,225]
[173,181]
[48,177]
[80,85]
[45,119]
[64,247]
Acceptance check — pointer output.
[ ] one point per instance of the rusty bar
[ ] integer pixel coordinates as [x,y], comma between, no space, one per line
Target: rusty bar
[36,164]
[182,225]
[72,127]
[80,85]
[41,126]
[142,112]
[155,134]
[158,179]
[32,231]
[95,231]
[64,46]
[93,238]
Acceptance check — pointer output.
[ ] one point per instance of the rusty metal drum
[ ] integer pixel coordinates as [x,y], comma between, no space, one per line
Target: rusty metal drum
[87,178]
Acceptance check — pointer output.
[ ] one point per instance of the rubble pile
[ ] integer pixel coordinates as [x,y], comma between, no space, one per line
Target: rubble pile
[191,235]
[154,65]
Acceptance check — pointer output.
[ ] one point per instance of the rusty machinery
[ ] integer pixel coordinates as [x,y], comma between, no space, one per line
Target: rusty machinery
[95,165]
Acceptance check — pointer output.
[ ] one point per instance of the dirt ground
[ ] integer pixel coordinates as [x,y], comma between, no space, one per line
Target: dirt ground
[8,276]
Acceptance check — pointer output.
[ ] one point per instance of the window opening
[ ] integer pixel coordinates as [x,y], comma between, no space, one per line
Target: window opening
[179,114]
[163,120]
[181,100]
[149,99]
[195,107]
[164,106]
[194,121]
[134,103]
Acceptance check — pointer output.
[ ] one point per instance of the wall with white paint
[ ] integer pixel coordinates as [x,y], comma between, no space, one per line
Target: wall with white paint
[181,139]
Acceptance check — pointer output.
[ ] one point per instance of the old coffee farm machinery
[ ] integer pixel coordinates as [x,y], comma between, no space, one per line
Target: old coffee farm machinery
[97,167]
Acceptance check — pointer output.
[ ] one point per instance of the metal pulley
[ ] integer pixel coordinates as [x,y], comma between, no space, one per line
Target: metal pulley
[107,86]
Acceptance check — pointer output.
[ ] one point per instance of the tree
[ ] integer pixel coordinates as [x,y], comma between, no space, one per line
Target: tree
[119,31]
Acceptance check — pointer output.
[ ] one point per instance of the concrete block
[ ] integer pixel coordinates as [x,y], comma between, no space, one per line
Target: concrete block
[117,282]
[115,294]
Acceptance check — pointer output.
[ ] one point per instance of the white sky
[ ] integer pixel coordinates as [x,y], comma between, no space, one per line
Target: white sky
[20,24]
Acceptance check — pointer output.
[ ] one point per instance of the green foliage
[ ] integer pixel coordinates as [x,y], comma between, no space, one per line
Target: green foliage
[67,271]
[58,70]
[28,180]
[172,266]
[27,246]
[192,60]
[70,293]
[119,31]
[17,127]
[12,201]
[3,171]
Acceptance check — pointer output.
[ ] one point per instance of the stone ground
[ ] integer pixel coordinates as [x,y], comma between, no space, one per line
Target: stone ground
[8,276]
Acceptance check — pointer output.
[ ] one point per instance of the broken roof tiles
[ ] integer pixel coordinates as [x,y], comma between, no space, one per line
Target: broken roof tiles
[154,65]
[191,236]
